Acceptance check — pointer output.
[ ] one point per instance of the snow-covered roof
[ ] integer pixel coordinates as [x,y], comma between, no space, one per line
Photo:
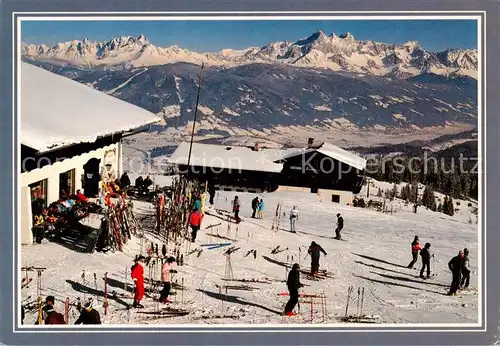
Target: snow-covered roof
[244,158]
[228,157]
[334,152]
[57,111]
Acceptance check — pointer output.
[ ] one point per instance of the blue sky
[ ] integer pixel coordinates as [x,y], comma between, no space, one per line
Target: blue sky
[211,36]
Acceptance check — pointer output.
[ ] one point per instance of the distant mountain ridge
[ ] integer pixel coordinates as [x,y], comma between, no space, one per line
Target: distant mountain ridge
[280,100]
[319,50]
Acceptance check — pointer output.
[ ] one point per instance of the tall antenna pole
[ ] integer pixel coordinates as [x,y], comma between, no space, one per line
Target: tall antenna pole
[194,120]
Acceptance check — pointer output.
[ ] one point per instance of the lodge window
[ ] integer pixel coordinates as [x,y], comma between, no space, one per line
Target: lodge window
[38,194]
[67,184]
[335,198]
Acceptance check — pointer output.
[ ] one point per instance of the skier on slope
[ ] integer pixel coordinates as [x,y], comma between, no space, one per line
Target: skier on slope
[166,278]
[195,223]
[88,315]
[211,192]
[426,260]
[294,216]
[415,247]
[255,206]
[236,209]
[137,273]
[340,225]
[464,284]
[314,250]
[293,284]
[455,265]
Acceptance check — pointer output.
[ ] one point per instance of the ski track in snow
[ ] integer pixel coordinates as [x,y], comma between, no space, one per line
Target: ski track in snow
[374,256]
[126,82]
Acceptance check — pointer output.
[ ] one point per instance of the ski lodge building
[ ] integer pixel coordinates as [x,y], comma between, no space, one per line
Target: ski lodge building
[327,170]
[70,134]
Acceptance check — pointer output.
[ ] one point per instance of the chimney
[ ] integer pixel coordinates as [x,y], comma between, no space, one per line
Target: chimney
[310,142]
[256,147]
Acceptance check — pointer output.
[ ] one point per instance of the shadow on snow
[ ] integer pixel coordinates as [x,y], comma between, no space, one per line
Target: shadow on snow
[236,300]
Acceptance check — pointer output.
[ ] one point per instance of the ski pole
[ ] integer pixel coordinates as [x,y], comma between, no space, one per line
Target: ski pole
[362,300]
[95,284]
[125,281]
[106,293]
[66,310]
[312,307]
[84,283]
[357,308]
[349,290]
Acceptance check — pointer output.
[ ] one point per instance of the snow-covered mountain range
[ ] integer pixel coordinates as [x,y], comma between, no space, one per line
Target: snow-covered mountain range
[338,53]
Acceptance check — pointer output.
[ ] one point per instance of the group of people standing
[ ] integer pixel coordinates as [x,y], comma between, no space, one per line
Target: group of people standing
[88,315]
[258,207]
[293,282]
[458,265]
[137,273]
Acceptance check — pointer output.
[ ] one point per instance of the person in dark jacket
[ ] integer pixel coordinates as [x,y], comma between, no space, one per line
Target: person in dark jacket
[455,266]
[124,180]
[255,206]
[314,250]
[211,192]
[147,183]
[236,209]
[88,315]
[415,248]
[425,253]
[293,284]
[340,225]
[465,271]
[138,183]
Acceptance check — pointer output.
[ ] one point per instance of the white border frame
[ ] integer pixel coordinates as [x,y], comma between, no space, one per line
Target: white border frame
[245,328]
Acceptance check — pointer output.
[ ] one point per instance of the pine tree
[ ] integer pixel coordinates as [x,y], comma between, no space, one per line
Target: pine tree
[444,207]
[428,198]
[394,191]
[451,207]
[455,186]
[448,206]
[405,192]
[413,192]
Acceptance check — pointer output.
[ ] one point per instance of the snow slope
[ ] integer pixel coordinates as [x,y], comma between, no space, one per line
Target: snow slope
[374,256]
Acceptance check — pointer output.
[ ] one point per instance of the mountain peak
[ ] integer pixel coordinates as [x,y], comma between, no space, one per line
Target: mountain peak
[411,45]
[347,36]
[142,38]
[317,36]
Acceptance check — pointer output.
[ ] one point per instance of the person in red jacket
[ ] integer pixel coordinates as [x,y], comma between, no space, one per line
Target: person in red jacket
[81,197]
[415,247]
[195,222]
[137,274]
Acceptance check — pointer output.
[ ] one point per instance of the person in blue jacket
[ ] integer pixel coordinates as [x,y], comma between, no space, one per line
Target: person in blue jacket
[261,208]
